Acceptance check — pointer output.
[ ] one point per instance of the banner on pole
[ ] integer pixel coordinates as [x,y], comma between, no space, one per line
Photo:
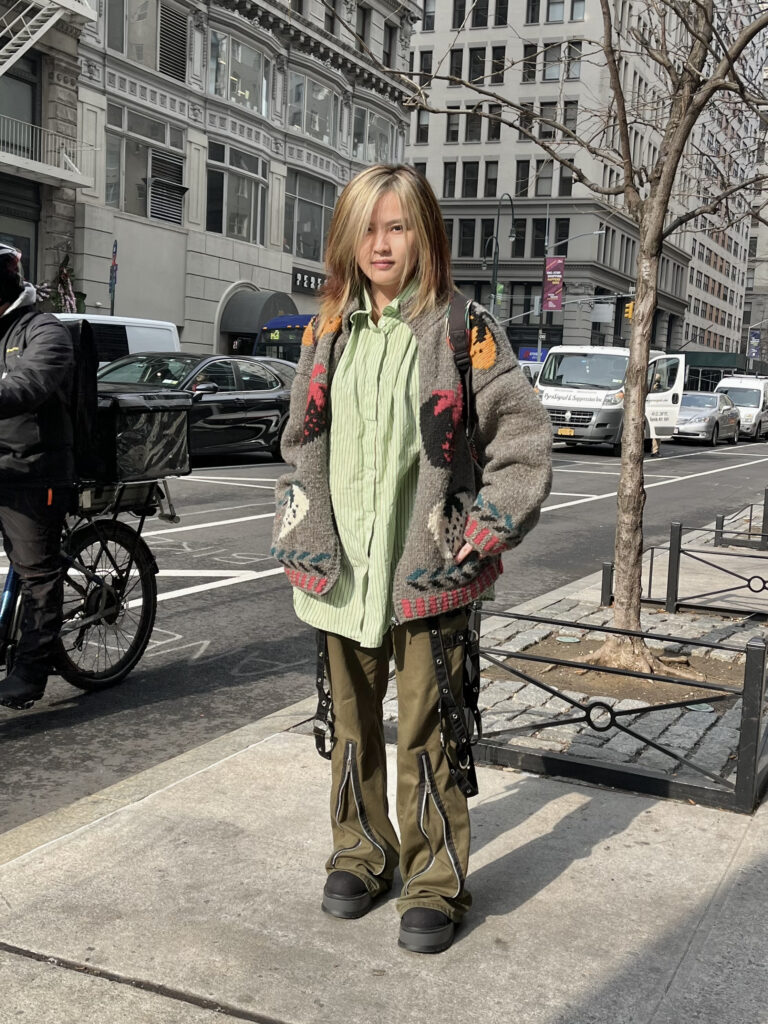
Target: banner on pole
[552,297]
[753,343]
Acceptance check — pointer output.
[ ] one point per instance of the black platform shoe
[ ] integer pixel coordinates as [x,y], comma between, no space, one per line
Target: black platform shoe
[423,930]
[345,895]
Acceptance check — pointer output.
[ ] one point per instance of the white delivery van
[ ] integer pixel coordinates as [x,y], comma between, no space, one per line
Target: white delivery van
[582,389]
[118,336]
[750,396]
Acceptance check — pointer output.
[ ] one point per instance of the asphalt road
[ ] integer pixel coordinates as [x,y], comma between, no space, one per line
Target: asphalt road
[227,648]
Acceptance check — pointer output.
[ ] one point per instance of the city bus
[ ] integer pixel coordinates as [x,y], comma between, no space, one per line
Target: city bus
[280,337]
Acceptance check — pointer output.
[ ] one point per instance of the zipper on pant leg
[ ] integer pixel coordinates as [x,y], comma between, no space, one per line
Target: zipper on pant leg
[429,795]
[351,778]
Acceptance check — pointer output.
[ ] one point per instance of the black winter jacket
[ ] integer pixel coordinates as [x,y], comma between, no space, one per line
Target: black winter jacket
[36,372]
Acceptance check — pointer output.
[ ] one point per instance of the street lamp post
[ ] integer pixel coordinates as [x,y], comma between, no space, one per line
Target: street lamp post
[495,239]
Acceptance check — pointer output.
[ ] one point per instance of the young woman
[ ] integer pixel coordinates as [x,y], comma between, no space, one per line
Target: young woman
[387,535]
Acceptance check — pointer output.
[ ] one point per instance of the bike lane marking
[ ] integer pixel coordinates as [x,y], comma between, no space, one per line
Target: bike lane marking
[659,483]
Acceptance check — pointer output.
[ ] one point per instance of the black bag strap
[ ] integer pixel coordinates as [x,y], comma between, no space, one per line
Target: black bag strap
[323,723]
[459,334]
[461,763]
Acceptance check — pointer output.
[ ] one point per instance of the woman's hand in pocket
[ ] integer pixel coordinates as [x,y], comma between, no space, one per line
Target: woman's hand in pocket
[465,551]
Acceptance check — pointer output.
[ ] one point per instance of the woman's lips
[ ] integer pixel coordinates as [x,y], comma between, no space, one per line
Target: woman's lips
[382,264]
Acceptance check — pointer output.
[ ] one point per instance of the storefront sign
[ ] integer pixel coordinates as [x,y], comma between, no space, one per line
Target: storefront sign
[307,281]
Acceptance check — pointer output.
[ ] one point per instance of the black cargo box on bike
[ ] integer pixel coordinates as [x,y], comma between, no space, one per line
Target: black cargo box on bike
[142,436]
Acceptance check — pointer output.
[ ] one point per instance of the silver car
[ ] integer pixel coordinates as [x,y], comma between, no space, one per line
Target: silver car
[707,417]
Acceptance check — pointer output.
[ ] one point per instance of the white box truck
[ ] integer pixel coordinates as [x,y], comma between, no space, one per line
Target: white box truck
[118,336]
[582,389]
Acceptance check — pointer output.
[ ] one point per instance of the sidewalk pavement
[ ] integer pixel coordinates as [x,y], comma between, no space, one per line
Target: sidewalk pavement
[191,893]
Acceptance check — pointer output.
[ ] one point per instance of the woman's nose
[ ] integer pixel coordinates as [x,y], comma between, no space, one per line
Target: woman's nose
[380,242]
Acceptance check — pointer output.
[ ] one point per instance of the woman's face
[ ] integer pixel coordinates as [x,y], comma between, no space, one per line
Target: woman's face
[387,253]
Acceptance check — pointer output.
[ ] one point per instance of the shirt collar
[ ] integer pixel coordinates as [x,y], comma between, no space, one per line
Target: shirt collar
[392,309]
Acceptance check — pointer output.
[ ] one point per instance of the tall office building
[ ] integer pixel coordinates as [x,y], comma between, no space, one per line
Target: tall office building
[507,204]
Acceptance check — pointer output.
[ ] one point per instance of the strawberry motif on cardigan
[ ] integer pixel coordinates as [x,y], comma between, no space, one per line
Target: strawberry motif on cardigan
[439,418]
[316,414]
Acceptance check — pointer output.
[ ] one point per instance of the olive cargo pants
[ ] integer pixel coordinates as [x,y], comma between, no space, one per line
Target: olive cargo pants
[433,850]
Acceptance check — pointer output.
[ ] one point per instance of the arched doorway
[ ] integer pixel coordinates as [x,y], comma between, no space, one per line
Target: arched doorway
[243,310]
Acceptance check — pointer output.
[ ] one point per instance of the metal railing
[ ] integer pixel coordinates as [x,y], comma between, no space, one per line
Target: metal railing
[744,534]
[740,791]
[30,142]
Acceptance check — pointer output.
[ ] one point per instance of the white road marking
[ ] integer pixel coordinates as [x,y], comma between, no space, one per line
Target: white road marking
[225,508]
[224,579]
[228,482]
[569,494]
[660,483]
[207,526]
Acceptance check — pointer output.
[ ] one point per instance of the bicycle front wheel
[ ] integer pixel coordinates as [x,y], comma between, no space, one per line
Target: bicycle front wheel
[110,600]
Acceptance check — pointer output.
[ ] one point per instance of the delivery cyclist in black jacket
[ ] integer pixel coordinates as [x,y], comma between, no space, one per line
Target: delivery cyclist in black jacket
[36,470]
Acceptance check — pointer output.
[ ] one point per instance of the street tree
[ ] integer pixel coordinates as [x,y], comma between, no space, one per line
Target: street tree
[701,66]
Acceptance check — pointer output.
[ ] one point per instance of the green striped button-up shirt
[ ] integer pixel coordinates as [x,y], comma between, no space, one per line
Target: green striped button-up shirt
[374,467]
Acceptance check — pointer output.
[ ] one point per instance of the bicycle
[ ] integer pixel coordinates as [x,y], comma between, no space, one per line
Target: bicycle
[110,589]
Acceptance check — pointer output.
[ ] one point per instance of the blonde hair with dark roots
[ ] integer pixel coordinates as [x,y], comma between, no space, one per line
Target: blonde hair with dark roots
[351,217]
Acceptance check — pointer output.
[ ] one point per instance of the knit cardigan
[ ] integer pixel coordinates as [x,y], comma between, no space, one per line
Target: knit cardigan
[451,506]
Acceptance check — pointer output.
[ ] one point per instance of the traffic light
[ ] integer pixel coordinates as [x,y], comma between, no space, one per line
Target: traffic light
[629,310]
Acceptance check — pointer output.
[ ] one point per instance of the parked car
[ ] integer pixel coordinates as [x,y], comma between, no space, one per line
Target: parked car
[240,403]
[750,396]
[283,367]
[705,416]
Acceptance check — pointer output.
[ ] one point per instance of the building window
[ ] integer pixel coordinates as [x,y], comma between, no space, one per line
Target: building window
[459,13]
[570,115]
[238,73]
[573,59]
[522,176]
[566,182]
[476,63]
[562,231]
[491,178]
[486,234]
[473,125]
[448,225]
[420,168]
[466,237]
[428,16]
[422,126]
[518,245]
[551,63]
[313,108]
[425,67]
[470,170]
[577,10]
[297,6]
[373,137]
[452,125]
[237,194]
[548,112]
[480,14]
[532,12]
[449,179]
[456,64]
[539,244]
[526,122]
[502,12]
[143,174]
[494,122]
[544,170]
[530,58]
[389,50]
[309,206]
[331,16]
[363,27]
[555,10]
[150,32]
[498,63]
